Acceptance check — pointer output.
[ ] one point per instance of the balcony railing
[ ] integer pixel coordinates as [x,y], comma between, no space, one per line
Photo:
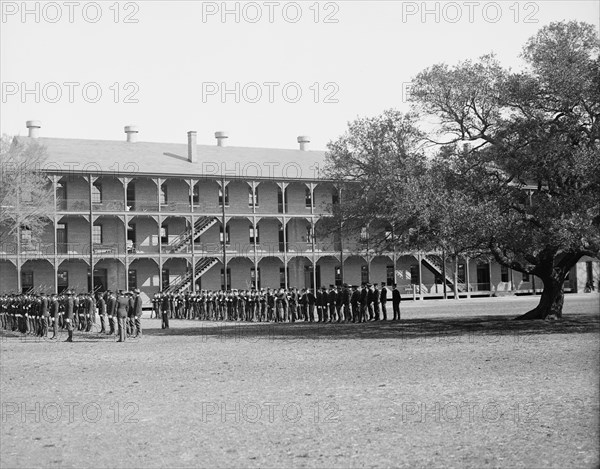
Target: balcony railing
[109,206]
[175,207]
[111,248]
[73,205]
[141,206]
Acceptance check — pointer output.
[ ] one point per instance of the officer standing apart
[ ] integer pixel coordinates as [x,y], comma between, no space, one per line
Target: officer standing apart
[396,298]
[137,310]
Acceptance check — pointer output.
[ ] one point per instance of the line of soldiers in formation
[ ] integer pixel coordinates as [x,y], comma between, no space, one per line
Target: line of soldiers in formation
[334,304]
[36,314]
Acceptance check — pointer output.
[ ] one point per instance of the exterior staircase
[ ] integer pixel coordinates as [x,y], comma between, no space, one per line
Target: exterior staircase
[434,263]
[186,238]
[185,281]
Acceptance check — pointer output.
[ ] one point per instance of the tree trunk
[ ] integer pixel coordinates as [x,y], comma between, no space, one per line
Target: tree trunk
[551,301]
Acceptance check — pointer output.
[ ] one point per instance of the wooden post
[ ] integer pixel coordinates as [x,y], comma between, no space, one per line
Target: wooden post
[224,223]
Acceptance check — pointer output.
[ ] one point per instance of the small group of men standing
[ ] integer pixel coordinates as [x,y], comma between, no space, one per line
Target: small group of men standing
[122,312]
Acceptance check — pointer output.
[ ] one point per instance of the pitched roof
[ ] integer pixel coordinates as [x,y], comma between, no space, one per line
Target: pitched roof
[170,159]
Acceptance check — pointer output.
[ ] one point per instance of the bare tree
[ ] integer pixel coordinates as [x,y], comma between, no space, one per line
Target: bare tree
[26,197]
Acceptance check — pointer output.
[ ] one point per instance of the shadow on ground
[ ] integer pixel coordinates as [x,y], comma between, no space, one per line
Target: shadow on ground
[405,330]
[408,329]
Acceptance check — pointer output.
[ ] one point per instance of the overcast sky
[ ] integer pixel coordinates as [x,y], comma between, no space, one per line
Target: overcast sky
[266,72]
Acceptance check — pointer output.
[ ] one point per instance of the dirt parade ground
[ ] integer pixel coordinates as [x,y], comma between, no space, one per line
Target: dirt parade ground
[454,384]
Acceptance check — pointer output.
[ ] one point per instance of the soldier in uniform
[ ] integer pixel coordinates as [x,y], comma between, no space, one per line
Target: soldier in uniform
[319,303]
[355,304]
[166,310]
[383,301]
[376,296]
[294,301]
[364,296]
[90,311]
[137,311]
[396,298]
[44,315]
[111,311]
[54,312]
[122,305]
[346,295]
[130,314]
[311,300]
[332,300]
[101,305]
[69,313]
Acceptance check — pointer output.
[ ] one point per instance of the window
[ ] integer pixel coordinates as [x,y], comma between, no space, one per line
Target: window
[414,274]
[281,238]
[132,278]
[364,274]
[164,235]
[525,277]
[227,234]
[389,275]
[195,194]
[364,234]
[165,279]
[26,234]
[255,277]
[282,277]
[338,276]
[308,197]
[254,234]
[335,197]
[228,279]
[131,195]
[162,194]
[61,238]
[97,193]
[461,273]
[97,234]
[226,195]
[503,273]
[279,200]
[26,281]
[252,197]
[63,280]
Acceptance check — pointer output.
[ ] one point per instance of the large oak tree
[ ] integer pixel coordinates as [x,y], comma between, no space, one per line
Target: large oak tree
[518,160]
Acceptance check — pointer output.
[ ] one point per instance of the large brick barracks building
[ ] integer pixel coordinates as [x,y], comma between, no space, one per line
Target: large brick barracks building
[182,216]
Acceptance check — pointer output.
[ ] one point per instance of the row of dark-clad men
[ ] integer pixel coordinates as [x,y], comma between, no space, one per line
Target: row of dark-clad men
[334,304]
[36,314]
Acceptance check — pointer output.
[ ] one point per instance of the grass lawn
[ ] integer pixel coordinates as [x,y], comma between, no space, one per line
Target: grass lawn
[455,384]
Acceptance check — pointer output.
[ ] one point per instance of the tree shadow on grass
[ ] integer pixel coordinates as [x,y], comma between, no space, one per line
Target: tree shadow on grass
[409,329]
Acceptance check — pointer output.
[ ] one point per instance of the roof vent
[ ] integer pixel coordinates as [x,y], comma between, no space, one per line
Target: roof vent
[221,137]
[34,128]
[304,140]
[132,133]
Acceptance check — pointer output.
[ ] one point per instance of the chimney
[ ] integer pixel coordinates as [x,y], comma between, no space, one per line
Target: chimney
[192,147]
[221,137]
[34,128]
[304,140]
[132,133]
